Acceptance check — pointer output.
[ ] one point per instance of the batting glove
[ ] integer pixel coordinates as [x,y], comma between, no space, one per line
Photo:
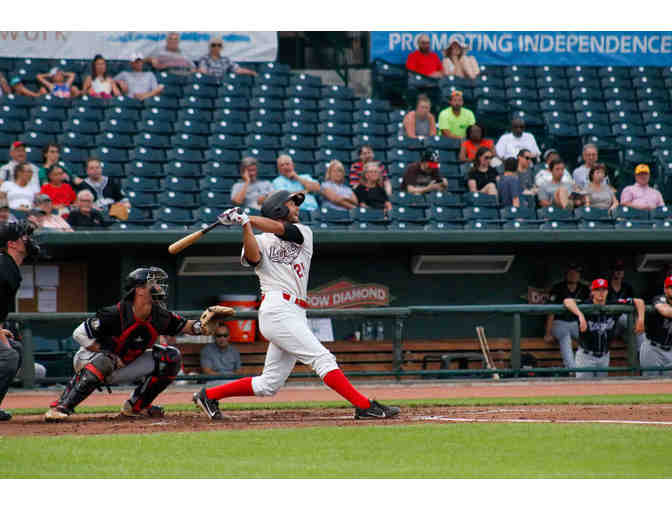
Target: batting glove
[240,218]
[226,217]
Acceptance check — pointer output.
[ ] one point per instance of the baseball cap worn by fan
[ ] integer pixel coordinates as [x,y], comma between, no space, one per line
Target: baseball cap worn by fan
[548,152]
[642,169]
[600,283]
[17,144]
[135,56]
[431,157]
[668,282]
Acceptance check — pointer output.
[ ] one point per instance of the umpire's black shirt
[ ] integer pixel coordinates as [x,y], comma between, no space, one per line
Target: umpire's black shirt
[10,280]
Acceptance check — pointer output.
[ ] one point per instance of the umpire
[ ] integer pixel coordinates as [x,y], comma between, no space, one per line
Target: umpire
[15,246]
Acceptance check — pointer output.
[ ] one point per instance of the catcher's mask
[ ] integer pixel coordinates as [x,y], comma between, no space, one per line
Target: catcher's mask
[274,206]
[22,229]
[153,278]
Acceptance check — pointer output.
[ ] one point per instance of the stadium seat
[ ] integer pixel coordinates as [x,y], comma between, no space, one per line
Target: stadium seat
[303,92]
[633,224]
[230,115]
[369,128]
[124,226]
[326,155]
[335,116]
[115,140]
[163,102]
[72,154]
[270,103]
[193,114]
[559,225]
[481,200]
[176,215]
[441,213]
[140,216]
[592,214]
[630,213]
[207,214]
[296,141]
[43,126]
[480,213]
[309,116]
[333,103]
[56,114]
[220,169]
[189,141]
[111,155]
[223,155]
[146,184]
[554,213]
[35,139]
[141,153]
[158,114]
[184,154]
[216,199]
[517,213]
[531,120]
[196,102]
[179,199]
[183,169]
[164,225]
[369,215]
[302,128]
[402,155]
[596,225]
[305,79]
[144,169]
[217,184]
[233,103]
[265,117]
[152,140]
[335,142]
[261,154]
[334,216]
[122,113]
[226,141]
[661,213]
[649,105]
[228,128]
[192,127]
[181,184]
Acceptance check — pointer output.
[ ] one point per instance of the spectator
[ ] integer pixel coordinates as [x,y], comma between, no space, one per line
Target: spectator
[524,160]
[17,154]
[84,216]
[482,177]
[137,83]
[475,140]
[59,83]
[337,194]
[558,193]
[51,154]
[423,176]
[423,61]
[598,194]
[217,65]
[61,193]
[20,191]
[106,191]
[4,86]
[19,88]
[509,188]
[457,62]
[454,120]
[510,144]
[370,191]
[5,214]
[289,180]
[99,83]
[420,122]
[564,326]
[365,156]
[43,215]
[580,173]
[544,176]
[640,195]
[171,58]
[220,358]
[249,191]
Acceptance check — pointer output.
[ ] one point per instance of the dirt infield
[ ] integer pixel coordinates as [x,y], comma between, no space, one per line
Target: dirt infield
[89,424]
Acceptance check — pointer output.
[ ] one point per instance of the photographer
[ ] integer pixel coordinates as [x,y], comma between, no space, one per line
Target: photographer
[15,246]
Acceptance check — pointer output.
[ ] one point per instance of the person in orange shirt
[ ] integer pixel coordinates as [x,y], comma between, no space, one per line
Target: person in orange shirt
[60,192]
[423,61]
[474,141]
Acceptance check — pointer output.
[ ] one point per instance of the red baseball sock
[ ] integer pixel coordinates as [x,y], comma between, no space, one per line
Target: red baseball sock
[337,381]
[239,388]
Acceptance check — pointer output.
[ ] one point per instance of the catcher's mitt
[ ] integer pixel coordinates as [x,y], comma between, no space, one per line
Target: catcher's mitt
[211,316]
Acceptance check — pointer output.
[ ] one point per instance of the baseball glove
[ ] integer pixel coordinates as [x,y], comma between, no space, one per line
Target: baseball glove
[211,316]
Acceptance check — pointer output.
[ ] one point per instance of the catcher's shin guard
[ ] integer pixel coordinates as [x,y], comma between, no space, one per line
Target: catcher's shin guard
[81,386]
[167,363]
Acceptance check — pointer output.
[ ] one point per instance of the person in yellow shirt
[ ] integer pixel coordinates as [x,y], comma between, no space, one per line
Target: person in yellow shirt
[454,120]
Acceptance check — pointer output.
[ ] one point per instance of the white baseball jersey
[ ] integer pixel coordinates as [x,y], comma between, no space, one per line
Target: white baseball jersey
[284,265]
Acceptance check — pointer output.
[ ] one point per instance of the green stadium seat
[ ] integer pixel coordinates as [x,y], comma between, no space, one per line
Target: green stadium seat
[182,184]
[299,156]
[559,225]
[267,142]
[337,92]
[315,117]
[192,127]
[326,155]
[197,102]
[128,102]
[582,105]
[141,153]
[661,213]
[586,93]
[649,105]
[517,213]
[185,154]
[152,140]
[439,213]
[115,140]
[217,184]
[10,125]
[178,199]
[309,129]
[140,216]
[517,224]
[297,141]
[557,94]
[262,155]
[199,90]
[594,129]
[618,105]
[121,113]
[265,116]
[176,215]
[124,226]
[658,129]
[111,155]
[269,103]
[43,126]
[72,154]
[230,115]
[226,141]
[183,169]
[404,199]
[194,114]
[163,102]
[650,93]
[48,113]
[369,215]
[480,213]
[146,184]
[482,200]
[633,224]
[554,213]
[144,169]
[36,139]
[228,128]
[619,93]
[233,103]
[630,213]
[204,79]
[216,199]
[163,225]
[190,141]
[596,225]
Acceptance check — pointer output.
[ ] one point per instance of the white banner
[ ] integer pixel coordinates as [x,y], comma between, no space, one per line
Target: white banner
[239,46]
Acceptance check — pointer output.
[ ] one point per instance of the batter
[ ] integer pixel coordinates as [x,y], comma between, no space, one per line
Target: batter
[597,329]
[281,257]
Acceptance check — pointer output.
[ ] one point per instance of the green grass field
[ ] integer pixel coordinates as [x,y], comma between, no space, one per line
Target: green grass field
[462,450]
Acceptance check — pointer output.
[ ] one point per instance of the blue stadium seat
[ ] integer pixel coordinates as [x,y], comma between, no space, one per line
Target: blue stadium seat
[196,102]
[159,114]
[326,155]
[189,141]
[402,155]
[307,116]
[269,92]
[176,215]
[333,103]
[596,225]
[152,140]
[181,184]
[43,126]
[179,199]
[263,155]
[272,79]
[337,92]
[593,128]
[183,169]
[115,140]
[200,90]
[480,213]
[194,114]
[123,226]
[305,79]
[629,213]
[72,154]
[216,199]
[517,213]
[111,155]
[229,115]
[335,116]
[232,103]
[443,199]
[270,103]
[208,214]
[633,224]
[144,169]
[559,225]
[164,225]
[226,141]
[554,213]
[263,128]
[300,156]
[192,127]
[520,225]
[482,200]
[87,113]
[10,125]
[47,113]
[592,214]
[228,128]
[141,153]
[128,102]
[405,199]
[377,143]
[146,184]
[441,213]
[217,184]
[184,154]
[266,116]
[371,116]
[662,224]
[335,142]
[163,102]
[649,105]
[661,213]
[299,128]
[35,139]
[267,142]
[303,91]
[369,215]
[122,113]
[140,216]
[79,140]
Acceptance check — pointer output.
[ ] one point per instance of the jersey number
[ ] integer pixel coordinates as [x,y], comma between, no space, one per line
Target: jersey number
[300,269]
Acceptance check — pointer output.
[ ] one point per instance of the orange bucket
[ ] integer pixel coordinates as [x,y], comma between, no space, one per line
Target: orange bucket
[242,331]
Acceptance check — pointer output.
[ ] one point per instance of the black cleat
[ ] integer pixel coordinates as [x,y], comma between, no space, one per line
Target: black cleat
[209,407]
[5,416]
[376,412]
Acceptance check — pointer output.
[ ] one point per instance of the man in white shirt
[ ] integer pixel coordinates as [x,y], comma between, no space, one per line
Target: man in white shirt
[137,83]
[17,154]
[510,144]
[544,176]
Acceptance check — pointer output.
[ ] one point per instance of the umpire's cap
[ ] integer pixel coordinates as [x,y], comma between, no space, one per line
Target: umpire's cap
[274,206]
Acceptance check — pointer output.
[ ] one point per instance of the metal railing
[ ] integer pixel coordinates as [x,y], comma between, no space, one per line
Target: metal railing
[400,315]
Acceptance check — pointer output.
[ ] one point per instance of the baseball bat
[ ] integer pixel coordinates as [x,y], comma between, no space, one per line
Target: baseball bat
[485,349]
[190,239]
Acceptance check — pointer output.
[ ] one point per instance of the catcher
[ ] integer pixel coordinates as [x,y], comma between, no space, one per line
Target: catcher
[118,346]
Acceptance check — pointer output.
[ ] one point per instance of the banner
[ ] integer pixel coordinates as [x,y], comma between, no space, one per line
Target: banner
[537,48]
[345,293]
[239,46]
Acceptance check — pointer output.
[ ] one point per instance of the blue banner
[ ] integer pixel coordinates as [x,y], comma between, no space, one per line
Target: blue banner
[537,48]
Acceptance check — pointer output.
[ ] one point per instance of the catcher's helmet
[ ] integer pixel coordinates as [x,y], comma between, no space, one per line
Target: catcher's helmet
[154,277]
[16,230]
[274,206]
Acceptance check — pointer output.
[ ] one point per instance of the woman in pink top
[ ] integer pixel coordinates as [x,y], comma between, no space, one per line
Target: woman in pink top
[640,195]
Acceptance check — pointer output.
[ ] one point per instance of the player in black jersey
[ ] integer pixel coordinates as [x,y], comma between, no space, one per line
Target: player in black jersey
[118,345]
